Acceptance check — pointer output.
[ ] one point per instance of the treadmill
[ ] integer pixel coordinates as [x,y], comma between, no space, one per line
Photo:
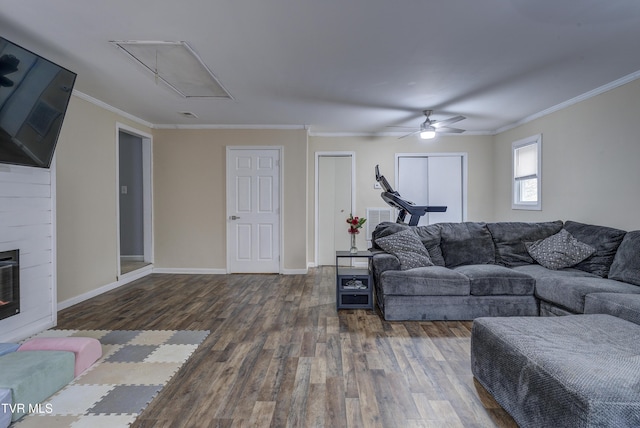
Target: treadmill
[404,206]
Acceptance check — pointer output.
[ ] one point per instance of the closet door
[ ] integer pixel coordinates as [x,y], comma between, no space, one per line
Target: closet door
[433,180]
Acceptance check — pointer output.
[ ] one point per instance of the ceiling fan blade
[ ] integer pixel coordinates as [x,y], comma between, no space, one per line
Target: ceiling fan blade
[447,130]
[441,123]
[409,135]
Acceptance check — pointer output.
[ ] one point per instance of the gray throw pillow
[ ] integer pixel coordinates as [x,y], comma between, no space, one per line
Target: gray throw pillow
[626,264]
[605,240]
[509,239]
[466,243]
[559,251]
[407,247]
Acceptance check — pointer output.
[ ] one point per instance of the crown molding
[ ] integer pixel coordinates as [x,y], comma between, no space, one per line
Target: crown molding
[390,134]
[259,127]
[597,91]
[111,108]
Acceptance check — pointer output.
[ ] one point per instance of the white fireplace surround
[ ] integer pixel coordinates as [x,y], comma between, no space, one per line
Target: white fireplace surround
[27,219]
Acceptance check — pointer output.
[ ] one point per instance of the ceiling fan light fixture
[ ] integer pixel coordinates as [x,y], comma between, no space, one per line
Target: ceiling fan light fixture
[428,132]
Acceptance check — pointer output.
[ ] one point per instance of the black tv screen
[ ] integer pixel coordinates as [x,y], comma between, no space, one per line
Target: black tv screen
[34,95]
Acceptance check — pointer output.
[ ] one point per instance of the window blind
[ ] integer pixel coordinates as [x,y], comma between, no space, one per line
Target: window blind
[526,162]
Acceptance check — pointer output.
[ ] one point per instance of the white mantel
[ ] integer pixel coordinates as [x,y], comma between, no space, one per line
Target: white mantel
[27,223]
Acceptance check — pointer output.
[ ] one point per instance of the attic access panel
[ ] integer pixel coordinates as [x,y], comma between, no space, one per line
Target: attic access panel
[177,65]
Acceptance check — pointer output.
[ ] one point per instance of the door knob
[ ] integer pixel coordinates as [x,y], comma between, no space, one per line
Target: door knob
[233,217]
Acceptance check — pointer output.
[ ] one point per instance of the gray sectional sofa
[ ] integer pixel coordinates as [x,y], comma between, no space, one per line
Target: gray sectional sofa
[581,370]
[462,271]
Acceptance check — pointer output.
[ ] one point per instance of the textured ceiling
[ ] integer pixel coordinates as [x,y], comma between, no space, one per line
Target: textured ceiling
[339,66]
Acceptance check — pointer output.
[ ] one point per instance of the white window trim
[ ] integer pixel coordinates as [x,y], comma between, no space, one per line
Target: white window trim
[515,203]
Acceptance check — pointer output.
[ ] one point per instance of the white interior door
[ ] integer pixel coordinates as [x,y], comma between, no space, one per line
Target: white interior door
[253,210]
[334,201]
[436,180]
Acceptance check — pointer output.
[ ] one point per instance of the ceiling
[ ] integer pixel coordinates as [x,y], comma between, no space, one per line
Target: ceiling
[342,66]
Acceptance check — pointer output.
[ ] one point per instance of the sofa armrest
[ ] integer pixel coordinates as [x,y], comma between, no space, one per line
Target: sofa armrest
[382,261]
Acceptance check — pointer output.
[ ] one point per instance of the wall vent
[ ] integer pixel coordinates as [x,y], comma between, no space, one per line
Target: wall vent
[188,114]
[375,216]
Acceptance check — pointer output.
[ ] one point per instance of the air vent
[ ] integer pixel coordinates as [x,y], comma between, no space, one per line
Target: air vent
[176,65]
[375,216]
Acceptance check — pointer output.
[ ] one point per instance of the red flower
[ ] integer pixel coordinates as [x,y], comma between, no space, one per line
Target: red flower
[355,223]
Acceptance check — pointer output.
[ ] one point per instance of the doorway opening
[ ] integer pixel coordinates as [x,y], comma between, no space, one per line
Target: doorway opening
[335,200]
[134,201]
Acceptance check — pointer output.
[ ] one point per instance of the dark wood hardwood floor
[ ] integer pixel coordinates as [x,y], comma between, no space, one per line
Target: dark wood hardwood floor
[280,355]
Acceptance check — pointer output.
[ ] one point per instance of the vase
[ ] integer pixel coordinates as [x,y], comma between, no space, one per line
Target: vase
[353,249]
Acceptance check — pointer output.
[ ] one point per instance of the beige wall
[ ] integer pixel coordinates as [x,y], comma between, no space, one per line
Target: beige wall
[190,198]
[590,158]
[86,199]
[372,151]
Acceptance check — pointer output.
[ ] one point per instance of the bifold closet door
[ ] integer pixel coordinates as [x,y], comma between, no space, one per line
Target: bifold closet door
[433,180]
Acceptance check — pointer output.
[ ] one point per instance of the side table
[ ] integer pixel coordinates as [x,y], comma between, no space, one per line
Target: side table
[354,285]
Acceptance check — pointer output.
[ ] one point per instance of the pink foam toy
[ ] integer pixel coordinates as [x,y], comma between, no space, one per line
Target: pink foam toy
[86,349]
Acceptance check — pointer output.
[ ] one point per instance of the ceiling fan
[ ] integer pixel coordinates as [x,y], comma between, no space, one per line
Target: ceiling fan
[429,128]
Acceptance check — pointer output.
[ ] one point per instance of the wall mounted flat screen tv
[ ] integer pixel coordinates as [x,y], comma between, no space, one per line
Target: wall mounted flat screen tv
[34,95]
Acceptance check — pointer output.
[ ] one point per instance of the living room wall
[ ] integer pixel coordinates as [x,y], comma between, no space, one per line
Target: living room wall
[372,151]
[590,154]
[86,199]
[190,197]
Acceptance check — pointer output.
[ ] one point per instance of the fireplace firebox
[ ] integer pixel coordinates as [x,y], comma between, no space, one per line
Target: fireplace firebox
[9,283]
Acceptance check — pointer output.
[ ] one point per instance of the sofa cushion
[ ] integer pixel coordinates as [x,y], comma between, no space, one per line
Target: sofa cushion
[569,292]
[487,280]
[621,305]
[626,263]
[559,251]
[425,281]
[429,235]
[407,247]
[537,271]
[509,239]
[605,240]
[466,243]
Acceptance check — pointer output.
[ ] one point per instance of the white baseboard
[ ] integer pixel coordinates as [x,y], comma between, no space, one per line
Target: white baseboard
[190,271]
[124,279]
[295,271]
[195,271]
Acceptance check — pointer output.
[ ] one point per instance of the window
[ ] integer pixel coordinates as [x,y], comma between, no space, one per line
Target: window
[526,161]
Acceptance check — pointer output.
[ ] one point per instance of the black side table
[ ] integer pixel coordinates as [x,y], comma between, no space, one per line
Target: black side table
[354,285]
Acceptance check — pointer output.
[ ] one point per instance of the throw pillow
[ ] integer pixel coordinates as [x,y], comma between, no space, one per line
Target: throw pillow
[467,243]
[407,247]
[626,264]
[509,239]
[559,251]
[605,240]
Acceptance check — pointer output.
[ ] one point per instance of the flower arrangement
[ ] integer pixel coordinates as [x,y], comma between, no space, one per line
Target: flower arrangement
[355,223]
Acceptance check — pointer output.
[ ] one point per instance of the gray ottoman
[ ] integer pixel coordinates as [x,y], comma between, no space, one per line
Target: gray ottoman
[571,371]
